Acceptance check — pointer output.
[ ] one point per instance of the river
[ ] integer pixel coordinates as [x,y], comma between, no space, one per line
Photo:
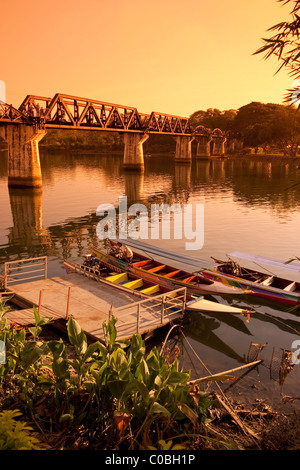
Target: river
[251,204]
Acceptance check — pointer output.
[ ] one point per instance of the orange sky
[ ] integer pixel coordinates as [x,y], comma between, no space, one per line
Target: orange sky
[171,56]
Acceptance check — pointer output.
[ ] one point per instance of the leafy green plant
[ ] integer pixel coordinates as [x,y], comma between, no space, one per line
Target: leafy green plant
[39,322]
[14,434]
[114,388]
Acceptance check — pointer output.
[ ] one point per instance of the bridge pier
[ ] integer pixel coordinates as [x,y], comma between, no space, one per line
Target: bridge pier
[203,146]
[183,153]
[219,140]
[133,150]
[219,147]
[24,168]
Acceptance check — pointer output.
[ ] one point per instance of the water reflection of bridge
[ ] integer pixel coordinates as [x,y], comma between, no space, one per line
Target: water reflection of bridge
[29,232]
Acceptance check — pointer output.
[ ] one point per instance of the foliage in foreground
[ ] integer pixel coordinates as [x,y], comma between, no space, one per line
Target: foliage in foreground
[14,434]
[109,396]
[285,45]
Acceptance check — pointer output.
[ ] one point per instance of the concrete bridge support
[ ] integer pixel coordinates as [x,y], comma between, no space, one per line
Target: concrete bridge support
[219,146]
[203,146]
[24,168]
[183,153]
[133,151]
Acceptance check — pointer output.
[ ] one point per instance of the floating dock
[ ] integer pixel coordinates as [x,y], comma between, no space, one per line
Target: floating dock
[90,303]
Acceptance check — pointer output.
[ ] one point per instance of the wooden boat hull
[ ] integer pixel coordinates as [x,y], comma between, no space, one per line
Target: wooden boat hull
[254,289]
[144,290]
[203,286]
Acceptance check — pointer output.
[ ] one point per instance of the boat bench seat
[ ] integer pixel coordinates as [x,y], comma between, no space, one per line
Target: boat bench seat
[268,281]
[118,278]
[135,284]
[170,295]
[188,279]
[257,281]
[139,263]
[151,290]
[291,287]
[173,273]
[156,268]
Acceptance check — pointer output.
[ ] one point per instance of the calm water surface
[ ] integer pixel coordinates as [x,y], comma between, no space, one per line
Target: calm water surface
[250,205]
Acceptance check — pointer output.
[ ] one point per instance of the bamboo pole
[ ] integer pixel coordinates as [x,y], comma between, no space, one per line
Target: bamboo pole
[162,310]
[68,302]
[40,301]
[230,371]
[138,319]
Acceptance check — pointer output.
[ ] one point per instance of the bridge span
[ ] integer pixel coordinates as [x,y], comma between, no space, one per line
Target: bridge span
[25,127]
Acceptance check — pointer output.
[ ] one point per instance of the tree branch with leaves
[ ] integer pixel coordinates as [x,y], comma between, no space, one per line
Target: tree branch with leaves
[285,45]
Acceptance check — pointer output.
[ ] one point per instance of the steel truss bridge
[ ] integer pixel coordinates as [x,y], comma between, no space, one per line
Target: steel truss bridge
[71,112]
[25,127]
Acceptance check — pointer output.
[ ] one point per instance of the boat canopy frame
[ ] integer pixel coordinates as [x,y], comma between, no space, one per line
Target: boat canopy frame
[275,263]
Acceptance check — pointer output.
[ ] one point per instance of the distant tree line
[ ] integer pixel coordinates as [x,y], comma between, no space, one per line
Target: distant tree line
[256,124]
[70,139]
[101,141]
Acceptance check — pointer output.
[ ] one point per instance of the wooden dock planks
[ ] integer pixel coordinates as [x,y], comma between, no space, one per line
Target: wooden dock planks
[89,303]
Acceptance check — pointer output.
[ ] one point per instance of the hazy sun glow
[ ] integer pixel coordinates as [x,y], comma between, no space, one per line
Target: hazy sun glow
[165,55]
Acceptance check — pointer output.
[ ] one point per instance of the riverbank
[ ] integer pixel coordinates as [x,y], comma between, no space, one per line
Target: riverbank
[232,425]
[226,422]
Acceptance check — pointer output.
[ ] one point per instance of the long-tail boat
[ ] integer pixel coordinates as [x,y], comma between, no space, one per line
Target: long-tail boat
[257,282]
[124,281]
[161,273]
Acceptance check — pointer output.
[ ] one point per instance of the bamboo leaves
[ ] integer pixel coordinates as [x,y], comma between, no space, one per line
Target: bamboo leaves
[285,45]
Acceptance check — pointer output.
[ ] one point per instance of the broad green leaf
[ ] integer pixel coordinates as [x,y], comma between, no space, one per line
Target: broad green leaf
[56,347]
[188,412]
[36,315]
[153,360]
[178,447]
[157,408]
[117,387]
[35,331]
[92,348]
[137,347]
[158,381]
[119,362]
[45,320]
[110,333]
[144,371]
[165,445]
[178,378]
[60,368]
[76,335]
[143,390]
[30,355]
[65,417]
